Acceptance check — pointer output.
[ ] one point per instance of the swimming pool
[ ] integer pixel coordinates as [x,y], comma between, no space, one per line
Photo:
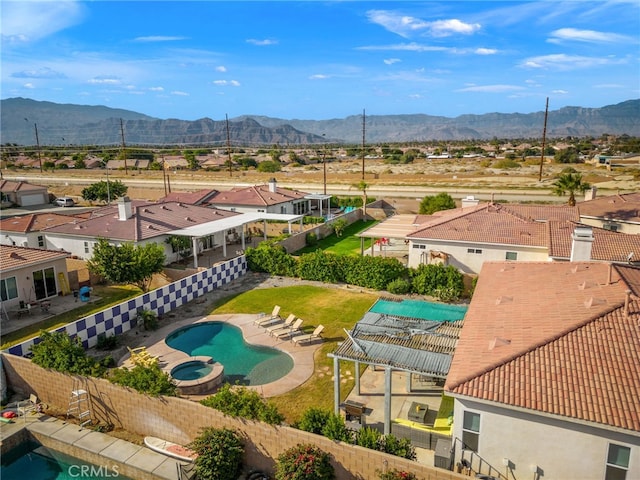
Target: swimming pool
[32,460]
[420,309]
[243,363]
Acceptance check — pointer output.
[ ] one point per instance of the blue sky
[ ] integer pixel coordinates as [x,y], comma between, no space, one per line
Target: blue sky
[321,60]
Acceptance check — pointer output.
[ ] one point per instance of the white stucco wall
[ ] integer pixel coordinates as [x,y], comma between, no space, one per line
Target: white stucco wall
[560,449]
[623,227]
[24,281]
[467,262]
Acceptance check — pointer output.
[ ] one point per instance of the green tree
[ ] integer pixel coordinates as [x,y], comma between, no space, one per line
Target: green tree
[103,191]
[304,462]
[150,380]
[269,166]
[127,263]
[58,351]
[570,183]
[568,155]
[339,226]
[180,244]
[435,203]
[362,186]
[220,452]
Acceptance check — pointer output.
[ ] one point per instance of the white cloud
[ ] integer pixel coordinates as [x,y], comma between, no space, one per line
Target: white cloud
[562,61]
[222,83]
[31,21]
[105,80]
[157,89]
[406,25]
[486,51]
[590,36]
[179,93]
[406,47]
[221,69]
[158,38]
[391,61]
[44,72]
[491,88]
[319,76]
[29,86]
[559,92]
[262,43]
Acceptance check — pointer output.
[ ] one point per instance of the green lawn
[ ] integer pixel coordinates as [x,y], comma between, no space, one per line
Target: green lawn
[336,309]
[347,244]
[108,296]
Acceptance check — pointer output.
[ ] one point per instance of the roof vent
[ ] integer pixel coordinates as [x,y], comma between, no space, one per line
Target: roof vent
[504,299]
[498,342]
[189,219]
[594,302]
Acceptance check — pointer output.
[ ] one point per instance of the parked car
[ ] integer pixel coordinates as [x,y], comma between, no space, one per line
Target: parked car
[64,202]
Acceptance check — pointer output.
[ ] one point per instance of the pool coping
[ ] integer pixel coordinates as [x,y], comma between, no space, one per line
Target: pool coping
[303,355]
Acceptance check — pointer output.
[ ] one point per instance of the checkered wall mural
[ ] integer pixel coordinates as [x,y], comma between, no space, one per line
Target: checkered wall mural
[121,318]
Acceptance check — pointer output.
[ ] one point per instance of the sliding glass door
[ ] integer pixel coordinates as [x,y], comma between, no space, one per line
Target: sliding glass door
[44,283]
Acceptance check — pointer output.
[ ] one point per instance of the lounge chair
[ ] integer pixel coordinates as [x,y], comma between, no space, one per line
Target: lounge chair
[265,320]
[140,356]
[288,331]
[286,324]
[308,337]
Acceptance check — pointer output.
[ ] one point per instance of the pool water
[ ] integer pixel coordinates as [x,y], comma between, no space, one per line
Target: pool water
[420,309]
[191,370]
[243,363]
[33,461]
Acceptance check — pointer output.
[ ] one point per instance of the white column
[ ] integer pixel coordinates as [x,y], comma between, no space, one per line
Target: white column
[357,367]
[387,400]
[194,248]
[336,385]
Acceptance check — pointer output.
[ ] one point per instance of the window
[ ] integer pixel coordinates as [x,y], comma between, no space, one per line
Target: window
[8,288]
[86,247]
[477,251]
[421,247]
[511,256]
[41,241]
[471,430]
[617,462]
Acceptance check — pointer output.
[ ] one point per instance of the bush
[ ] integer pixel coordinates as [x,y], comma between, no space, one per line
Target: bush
[107,343]
[242,402]
[396,475]
[272,259]
[399,286]
[320,266]
[436,279]
[58,351]
[220,452]
[368,437]
[150,380]
[312,239]
[400,447]
[304,462]
[324,422]
[148,319]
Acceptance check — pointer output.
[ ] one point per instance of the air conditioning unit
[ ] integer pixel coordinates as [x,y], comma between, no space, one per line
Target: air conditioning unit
[610,226]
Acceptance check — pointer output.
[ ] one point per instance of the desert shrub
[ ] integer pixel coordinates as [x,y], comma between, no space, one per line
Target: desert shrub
[335,429]
[399,286]
[304,462]
[241,402]
[368,437]
[150,380]
[400,447]
[58,351]
[220,452]
[505,164]
[313,420]
[148,319]
[311,239]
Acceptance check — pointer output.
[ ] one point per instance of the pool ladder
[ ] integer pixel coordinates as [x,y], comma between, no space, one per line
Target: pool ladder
[79,406]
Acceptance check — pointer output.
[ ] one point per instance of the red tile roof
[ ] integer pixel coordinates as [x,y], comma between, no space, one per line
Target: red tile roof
[11,186]
[624,207]
[258,196]
[193,198]
[554,337]
[148,220]
[34,222]
[13,258]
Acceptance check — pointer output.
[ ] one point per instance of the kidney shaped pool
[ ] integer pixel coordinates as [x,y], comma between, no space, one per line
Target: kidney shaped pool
[243,363]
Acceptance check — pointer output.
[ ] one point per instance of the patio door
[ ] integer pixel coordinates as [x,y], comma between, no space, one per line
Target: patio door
[44,283]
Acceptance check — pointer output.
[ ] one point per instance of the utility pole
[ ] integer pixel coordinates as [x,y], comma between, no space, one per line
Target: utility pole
[228,145]
[363,137]
[35,126]
[124,148]
[544,137]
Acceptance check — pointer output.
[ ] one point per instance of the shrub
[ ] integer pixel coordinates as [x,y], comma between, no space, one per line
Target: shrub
[107,342]
[220,452]
[271,259]
[368,437]
[335,429]
[313,420]
[396,475]
[399,286]
[400,447]
[58,351]
[242,402]
[312,239]
[436,279]
[371,272]
[320,266]
[148,319]
[150,380]
[304,462]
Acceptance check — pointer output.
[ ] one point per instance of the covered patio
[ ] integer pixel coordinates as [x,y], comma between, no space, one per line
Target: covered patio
[420,349]
[232,224]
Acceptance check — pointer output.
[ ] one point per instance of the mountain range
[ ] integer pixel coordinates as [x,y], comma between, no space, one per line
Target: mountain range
[23,119]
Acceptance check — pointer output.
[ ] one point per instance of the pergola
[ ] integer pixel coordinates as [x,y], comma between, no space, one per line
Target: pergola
[398,227]
[413,345]
[320,198]
[229,223]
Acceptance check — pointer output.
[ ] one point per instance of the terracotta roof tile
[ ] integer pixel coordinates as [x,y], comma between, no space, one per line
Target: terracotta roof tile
[613,207]
[12,258]
[258,195]
[566,346]
[34,222]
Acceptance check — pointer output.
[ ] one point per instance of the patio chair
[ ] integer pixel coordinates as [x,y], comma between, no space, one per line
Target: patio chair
[286,324]
[140,356]
[289,331]
[28,406]
[264,320]
[308,337]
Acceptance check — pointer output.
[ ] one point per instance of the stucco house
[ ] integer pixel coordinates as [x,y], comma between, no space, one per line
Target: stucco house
[138,222]
[28,230]
[28,275]
[546,372]
[23,194]
[618,213]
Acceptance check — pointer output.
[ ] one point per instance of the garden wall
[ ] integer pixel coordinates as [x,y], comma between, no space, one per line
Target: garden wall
[122,317]
[180,420]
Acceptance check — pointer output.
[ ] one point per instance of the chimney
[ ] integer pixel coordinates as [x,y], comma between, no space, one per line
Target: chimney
[590,194]
[582,243]
[272,185]
[470,201]
[124,209]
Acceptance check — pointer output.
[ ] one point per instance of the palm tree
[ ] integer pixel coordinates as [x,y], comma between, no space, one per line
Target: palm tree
[362,185]
[570,183]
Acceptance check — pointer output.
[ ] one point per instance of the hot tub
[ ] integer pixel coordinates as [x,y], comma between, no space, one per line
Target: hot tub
[196,375]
